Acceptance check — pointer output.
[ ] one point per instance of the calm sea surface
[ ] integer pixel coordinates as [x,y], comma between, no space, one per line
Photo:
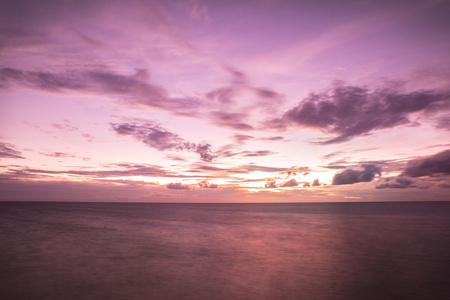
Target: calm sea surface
[225,251]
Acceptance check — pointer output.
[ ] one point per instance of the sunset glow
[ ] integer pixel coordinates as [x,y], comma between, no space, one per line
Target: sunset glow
[224,101]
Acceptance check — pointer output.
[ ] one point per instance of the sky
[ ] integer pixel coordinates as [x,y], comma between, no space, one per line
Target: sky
[224,101]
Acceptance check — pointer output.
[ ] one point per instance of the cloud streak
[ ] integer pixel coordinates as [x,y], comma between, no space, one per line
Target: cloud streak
[397,183]
[162,140]
[8,151]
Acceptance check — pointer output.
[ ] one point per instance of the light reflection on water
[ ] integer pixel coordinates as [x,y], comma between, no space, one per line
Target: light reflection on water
[225,251]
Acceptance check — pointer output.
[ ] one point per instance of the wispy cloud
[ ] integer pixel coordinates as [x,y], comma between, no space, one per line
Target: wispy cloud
[8,151]
[98,81]
[231,119]
[162,140]
[64,155]
[113,170]
[240,101]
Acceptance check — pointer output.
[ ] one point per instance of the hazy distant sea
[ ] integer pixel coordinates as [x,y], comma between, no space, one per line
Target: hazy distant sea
[225,251]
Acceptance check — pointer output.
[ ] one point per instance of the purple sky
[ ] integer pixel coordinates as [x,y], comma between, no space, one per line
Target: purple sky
[224,101]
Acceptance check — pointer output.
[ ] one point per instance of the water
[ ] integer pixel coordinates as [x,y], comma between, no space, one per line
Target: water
[225,251]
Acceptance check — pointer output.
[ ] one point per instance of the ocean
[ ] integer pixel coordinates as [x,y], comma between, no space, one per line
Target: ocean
[225,251]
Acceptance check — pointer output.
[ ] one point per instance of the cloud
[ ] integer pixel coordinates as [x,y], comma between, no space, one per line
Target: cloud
[162,140]
[443,123]
[27,23]
[350,176]
[270,184]
[8,151]
[297,170]
[397,183]
[290,183]
[119,170]
[242,138]
[231,150]
[429,166]
[206,185]
[257,153]
[96,81]
[316,182]
[252,167]
[423,173]
[240,100]
[231,120]
[132,89]
[177,186]
[58,154]
[65,155]
[349,111]
[273,138]
[222,95]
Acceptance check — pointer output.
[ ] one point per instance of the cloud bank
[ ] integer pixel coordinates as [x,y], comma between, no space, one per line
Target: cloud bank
[429,166]
[349,111]
[350,176]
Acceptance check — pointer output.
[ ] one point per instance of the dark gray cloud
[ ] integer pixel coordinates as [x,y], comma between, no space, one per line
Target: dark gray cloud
[177,186]
[348,111]
[161,139]
[207,185]
[8,151]
[270,184]
[423,173]
[429,166]
[290,183]
[350,176]
[397,183]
